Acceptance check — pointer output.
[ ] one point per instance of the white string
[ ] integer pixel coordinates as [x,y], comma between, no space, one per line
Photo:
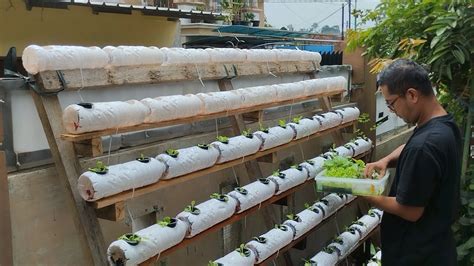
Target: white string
[110,146]
[270,72]
[235,176]
[301,149]
[131,217]
[291,109]
[199,75]
[82,85]
[217,129]
[157,257]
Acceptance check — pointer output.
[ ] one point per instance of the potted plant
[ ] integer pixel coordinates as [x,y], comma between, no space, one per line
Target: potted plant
[248,17]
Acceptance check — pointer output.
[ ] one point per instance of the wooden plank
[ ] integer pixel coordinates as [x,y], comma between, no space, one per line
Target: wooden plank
[115,212]
[96,134]
[87,78]
[269,158]
[171,182]
[6,251]
[68,169]
[304,236]
[89,147]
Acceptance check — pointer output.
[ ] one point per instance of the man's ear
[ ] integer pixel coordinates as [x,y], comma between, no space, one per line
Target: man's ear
[412,95]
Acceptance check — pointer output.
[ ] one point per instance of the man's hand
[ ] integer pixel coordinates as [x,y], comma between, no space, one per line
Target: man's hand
[379,166]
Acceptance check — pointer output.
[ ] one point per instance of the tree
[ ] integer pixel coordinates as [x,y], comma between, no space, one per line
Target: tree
[314,27]
[334,30]
[290,27]
[441,36]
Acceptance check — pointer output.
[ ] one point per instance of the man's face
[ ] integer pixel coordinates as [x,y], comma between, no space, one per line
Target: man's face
[397,104]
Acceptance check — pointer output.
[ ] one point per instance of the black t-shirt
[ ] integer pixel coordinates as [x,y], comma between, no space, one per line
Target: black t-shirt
[428,175]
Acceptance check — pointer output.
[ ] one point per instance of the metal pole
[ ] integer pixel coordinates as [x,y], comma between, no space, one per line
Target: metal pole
[342,23]
[355,18]
[350,2]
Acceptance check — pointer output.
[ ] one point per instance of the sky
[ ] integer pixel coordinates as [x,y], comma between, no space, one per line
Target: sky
[303,15]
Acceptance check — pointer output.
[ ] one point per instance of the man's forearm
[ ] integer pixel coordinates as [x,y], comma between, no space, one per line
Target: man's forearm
[390,205]
[392,158]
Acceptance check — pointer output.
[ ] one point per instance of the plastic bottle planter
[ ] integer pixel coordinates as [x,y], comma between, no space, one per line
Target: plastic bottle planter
[289,91]
[303,222]
[57,57]
[329,204]
[236,147]
[87,117]
[242,256]
[344,197]
[289,178]
[188,160]
[370,221]
[360,227]
[270,242]
[362,145]
[172,107]
[209,213]
[134,56]
[326,257]
[215,102]
[275,136]
[349,114]
[253,194]
[304,127]
[152,241]
[95,184]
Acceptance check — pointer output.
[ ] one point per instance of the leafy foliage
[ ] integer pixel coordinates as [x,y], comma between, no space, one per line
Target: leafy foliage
[340,166]
[99,168]
[223,139]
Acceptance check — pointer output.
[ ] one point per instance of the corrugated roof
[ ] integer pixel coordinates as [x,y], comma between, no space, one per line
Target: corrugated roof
[268,32]
[100,6]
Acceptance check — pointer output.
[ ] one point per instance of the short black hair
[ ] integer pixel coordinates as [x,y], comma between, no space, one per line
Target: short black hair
[403,74]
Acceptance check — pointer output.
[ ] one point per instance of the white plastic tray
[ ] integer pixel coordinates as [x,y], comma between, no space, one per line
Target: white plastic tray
[354,186]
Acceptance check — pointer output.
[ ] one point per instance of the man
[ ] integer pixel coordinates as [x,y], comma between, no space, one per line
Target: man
[423,201]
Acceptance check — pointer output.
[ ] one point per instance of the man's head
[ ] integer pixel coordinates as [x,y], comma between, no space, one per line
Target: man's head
[405,85]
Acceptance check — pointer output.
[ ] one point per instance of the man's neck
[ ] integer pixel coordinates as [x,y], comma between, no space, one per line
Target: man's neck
[431,109]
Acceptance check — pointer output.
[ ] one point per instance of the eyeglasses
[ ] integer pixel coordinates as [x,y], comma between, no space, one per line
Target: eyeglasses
[390,104]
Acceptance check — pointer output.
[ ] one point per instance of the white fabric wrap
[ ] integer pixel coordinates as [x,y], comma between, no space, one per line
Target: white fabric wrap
[357,150]
[372,263]
[350,239]
[134,55]
[213,211]
[334,203]
[362,229]
[56,57]
[336,83]
[276,239]
[311,56]
[198,56]
[349,114]
[261,55]
[167,108]
[237,147]
[309,219]
[175,56]
[369,221]
[293,177]
[379,212]
[253,96]
[226,55]
[188,160]
[314,86]
[103,115]
[317,166]
[276,136]
[312,171]
[215,102]
[330,119]
[120,177]
[362,145]
[305,127]
[236,259]
[286,55]
[325,259]
[343,151]
[257,192]
[155,239]
[289,91]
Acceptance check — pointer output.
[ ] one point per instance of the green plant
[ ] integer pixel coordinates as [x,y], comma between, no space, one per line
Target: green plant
[168,221]
[143,159]
[260,239]
[223,139]
[262,128]
[203,146]
[281,227]
[212,263]
[172,153]
[192,208]
[279,174]
[241,190]
[247,133]
[340,166]
[282,123]
[131,239]
[249,16]
[220,197]
[309,262]
[245,252]
[100,168]
[297,119]
[293,217]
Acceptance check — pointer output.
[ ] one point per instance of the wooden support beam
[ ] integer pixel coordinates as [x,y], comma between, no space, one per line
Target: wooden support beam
[269,158]
[6,250]
[68,168]
[115,212]
[89,147]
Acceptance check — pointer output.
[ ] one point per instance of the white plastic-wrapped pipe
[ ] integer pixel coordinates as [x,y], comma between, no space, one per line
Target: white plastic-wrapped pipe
[261,55]
[167,108]
[87,117]
[349,114]
[289,91]
[175,56]
[237,147]
[314,86]
[57,57]
[215,102]
[362,145]
[370,221]
[308,165]
[134,55]
[350,238]
[253,96]
[314,166]
[154,240]
[328,120]
[235,258]
[305,127]
[188,160]
[198,56]
[311,56]
[345,151]
[120,177]
[287,55]
[211,212]
[326,257]
[377,212]
[226,55]
[336,83]
[270,242]
[360,227]
[253,194]
[275,136]
[289,178]
[307,220]
[329,204]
